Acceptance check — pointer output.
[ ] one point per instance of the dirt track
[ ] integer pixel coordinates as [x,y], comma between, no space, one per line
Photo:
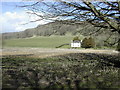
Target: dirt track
[44,52]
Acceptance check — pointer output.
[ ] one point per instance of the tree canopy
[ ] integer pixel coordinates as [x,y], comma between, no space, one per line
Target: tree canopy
[103,14]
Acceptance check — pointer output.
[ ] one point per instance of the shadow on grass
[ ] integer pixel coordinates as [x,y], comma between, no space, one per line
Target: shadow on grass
[77,70]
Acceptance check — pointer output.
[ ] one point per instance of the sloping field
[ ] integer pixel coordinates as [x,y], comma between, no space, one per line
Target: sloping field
[42,42]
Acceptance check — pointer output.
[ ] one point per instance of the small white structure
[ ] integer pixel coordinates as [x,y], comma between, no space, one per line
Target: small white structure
[75,43]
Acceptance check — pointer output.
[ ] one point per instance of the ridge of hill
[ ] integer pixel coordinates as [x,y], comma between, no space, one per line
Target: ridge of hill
[53,28]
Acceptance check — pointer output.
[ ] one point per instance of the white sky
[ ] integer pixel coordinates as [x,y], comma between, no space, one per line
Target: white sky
[12,19]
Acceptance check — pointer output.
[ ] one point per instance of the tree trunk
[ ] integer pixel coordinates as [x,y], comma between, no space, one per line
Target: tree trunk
[118,46]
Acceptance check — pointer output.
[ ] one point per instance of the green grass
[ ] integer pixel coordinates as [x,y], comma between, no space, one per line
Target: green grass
[43,42]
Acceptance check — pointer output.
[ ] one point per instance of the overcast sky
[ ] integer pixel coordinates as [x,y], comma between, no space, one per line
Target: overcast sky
[12,18]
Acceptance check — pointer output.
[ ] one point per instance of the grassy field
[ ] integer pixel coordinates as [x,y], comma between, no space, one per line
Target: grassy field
[42,42]
[45,42]
[66,72]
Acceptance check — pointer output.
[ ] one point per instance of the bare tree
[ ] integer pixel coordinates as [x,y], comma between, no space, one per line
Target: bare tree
[100,14]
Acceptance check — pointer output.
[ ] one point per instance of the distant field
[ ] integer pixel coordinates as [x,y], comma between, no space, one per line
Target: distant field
[42,42]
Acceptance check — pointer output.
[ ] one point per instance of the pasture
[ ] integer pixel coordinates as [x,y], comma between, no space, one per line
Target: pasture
[42,42]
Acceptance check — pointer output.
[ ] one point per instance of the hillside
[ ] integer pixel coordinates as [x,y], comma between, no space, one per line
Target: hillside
[53,28]
[63,28]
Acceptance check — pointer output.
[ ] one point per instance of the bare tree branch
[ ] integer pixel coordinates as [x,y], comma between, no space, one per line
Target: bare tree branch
[100,14]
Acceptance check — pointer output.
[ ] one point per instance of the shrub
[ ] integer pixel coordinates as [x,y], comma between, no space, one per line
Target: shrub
[88,43]
[91,42]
